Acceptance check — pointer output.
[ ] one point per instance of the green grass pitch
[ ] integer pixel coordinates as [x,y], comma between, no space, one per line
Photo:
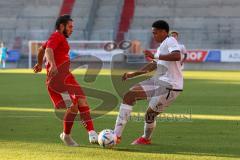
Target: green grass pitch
[210,104]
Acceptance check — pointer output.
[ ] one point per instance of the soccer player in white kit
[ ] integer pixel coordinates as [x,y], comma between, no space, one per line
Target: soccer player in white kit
[160,90]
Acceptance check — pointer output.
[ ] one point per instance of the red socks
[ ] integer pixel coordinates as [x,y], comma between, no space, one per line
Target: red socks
[86,117]
[68,121]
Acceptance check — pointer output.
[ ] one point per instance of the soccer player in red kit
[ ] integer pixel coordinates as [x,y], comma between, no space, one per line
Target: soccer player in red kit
[61,83]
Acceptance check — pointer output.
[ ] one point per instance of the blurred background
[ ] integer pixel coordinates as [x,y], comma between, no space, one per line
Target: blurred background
[208,28]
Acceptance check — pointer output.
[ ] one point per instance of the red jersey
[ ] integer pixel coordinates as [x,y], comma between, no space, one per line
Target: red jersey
[59,44]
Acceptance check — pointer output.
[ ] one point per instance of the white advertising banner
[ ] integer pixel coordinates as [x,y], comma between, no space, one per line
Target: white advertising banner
[101,54]
[230,56]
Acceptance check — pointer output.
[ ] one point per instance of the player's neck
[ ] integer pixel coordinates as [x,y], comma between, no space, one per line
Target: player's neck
[59,32]
[164,38]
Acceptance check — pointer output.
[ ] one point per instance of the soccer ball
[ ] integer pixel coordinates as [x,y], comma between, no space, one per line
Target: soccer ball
[107,138]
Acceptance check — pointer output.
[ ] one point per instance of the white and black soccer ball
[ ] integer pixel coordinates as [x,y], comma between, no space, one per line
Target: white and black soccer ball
[107,138]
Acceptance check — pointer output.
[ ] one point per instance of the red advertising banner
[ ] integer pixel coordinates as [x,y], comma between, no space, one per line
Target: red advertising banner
[196,55]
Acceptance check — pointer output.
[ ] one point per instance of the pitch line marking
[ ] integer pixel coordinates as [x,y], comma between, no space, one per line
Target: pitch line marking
[115,113]
[208,75]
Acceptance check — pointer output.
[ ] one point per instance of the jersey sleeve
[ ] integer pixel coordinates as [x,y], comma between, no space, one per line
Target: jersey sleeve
[156,55]
[173,45]
[53,41]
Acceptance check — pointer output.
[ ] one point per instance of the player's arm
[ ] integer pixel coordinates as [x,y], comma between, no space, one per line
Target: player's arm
[50,59]
[38,67]
[52,43]
[145,69]
[173,56]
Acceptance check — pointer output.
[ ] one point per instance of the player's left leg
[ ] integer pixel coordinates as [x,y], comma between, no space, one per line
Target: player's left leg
[149,126]
[156,106]
[86,119]
[78,97]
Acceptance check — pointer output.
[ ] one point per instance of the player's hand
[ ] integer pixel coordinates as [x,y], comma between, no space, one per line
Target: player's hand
[52,71]
[148,55]
[37,68]
[127,75]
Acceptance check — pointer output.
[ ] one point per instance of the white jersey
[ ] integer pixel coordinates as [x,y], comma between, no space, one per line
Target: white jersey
[169,71]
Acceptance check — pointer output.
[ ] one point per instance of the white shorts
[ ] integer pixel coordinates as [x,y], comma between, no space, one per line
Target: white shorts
[159,94]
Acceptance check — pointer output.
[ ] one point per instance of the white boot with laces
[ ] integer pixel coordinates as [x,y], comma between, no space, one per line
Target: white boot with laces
[67,139]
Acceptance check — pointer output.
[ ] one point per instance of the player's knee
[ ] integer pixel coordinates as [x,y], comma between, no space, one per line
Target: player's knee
[82,102]
[150,115]
[74,109]
[60,105]
[129,97]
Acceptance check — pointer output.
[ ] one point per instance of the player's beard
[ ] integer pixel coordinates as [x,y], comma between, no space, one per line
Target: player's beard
[65,32]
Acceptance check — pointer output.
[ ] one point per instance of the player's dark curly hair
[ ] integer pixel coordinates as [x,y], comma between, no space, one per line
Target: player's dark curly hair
[64,19]
[161,24]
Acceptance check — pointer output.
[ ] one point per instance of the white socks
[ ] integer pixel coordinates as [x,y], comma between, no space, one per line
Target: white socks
[148,129]
[122,118]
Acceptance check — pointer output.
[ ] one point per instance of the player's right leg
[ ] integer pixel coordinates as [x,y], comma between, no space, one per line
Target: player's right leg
[135,93]
[68,119]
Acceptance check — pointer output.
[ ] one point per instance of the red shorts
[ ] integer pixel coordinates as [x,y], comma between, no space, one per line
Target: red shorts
[64,90]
